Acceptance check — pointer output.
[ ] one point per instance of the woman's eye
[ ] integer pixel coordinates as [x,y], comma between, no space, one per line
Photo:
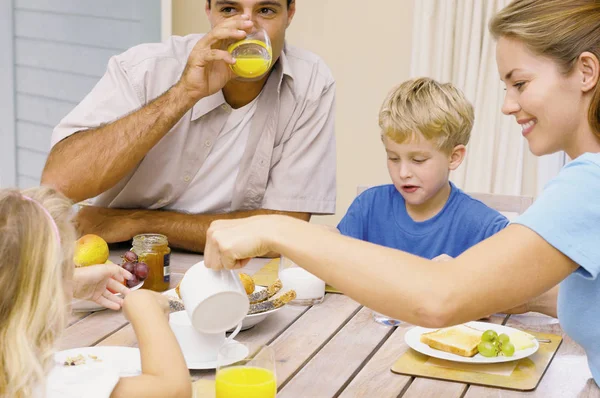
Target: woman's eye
[519,85]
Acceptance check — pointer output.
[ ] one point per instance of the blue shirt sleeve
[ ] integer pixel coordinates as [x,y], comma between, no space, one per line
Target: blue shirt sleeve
[353,222]
[567,213]
[497,224]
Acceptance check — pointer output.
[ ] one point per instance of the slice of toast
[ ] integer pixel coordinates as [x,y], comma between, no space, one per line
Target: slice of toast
[460,340]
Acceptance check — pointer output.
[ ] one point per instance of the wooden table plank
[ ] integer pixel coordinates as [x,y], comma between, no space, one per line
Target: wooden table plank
[76,317]
[92,329]
[297,345]
[343,356]
[568,375]
[376,379]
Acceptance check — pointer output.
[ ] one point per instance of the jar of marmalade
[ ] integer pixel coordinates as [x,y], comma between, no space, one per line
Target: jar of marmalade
[153,249]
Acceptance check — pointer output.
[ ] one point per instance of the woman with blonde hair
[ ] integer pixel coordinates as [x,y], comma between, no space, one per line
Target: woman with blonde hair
[548,55]
[36,285]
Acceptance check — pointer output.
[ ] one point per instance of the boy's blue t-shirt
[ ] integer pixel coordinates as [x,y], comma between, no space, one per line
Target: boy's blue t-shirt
[567,216]
[379,216]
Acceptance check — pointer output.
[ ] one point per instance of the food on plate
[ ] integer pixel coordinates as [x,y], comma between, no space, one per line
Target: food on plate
[267,293]
[90,249]
[522,340]
[260,301]
[460,340]
[492,344]
[271,304]
[248,283]
[80,360]
[175,304]
[139,269]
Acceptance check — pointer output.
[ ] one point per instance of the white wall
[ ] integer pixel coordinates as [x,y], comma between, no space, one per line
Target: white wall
[367,45]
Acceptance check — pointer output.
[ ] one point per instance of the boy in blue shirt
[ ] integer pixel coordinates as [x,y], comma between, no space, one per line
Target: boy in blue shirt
[425,127]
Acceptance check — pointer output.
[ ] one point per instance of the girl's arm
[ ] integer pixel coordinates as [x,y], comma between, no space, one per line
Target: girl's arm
[164,372]
[501,272]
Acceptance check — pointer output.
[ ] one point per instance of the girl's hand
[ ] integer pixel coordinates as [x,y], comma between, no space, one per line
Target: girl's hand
[100,283]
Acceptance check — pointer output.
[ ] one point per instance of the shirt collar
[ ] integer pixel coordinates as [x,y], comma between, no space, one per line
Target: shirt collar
[205,105]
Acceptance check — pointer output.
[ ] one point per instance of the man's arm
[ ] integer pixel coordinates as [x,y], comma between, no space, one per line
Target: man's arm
[185,231]
[90,162]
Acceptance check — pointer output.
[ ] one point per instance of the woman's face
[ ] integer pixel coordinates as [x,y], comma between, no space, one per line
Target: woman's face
[549,105]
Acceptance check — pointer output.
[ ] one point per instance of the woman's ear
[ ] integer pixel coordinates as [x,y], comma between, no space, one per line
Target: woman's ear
[457,156]
[589,67]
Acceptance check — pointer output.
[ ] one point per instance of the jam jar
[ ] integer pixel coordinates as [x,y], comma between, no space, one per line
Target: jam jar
[154,250]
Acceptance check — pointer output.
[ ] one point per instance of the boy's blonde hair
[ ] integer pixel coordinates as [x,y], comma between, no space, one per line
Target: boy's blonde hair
[438,112]
[557,29]
[35,266]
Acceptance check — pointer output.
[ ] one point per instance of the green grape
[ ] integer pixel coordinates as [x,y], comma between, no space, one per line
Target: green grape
[503,338]
[508,349]
[489,335]
[487,349]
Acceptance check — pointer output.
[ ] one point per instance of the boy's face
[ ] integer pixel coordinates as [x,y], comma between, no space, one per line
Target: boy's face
[418,169]
[274,16]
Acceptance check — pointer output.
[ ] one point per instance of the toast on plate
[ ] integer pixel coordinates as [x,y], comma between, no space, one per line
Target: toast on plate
[460,340]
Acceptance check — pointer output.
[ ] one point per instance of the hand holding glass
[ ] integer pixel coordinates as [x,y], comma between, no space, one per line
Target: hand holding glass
[253,55]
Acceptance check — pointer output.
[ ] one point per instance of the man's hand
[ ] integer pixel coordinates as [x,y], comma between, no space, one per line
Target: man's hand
[98,283]
[113,225]
[207,70]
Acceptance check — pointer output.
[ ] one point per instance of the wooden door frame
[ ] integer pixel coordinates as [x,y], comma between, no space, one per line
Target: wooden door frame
[8,147]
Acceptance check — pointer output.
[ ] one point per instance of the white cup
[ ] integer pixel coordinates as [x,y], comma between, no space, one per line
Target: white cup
[214,300]
[196,346]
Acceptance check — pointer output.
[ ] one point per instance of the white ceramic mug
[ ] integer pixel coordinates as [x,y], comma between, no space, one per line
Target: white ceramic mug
[214,300]
[196,346]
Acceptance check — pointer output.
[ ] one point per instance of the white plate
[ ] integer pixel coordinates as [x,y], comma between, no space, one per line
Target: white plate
[241,353]
[250,320]
[124,359]
[413,339]
[78,305]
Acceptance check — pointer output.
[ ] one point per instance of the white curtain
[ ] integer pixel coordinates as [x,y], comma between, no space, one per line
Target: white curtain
[452,43]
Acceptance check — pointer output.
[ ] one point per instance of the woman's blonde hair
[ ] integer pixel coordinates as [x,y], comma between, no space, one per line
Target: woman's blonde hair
[35,266]
[558,29]
[438,112]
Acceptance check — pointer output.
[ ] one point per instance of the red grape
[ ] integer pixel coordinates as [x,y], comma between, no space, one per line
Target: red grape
[141,271]
[132,282]
[130,257]
[129,267]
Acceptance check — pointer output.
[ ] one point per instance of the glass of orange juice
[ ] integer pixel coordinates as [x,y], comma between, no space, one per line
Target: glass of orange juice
[251,377]
[253,55]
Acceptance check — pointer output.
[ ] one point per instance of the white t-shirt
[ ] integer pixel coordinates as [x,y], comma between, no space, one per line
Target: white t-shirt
[79,381]
[216,178]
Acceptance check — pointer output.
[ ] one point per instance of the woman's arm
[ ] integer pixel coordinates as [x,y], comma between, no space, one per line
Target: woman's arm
[501,272]
[164,372]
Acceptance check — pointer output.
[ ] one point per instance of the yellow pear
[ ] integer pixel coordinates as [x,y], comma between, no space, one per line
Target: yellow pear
[89,250]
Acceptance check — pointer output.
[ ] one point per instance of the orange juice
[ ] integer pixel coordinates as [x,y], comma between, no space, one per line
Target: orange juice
[252,58]
[246,382]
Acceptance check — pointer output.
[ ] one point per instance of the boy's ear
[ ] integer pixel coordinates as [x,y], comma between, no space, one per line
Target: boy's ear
[457,156]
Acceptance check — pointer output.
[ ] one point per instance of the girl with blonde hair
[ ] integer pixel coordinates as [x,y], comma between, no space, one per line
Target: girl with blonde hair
[548,55]
[36,286]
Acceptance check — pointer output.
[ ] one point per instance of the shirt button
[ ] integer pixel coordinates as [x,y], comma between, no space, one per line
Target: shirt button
[187,178]
[207,143]
[226,107]
[262,162]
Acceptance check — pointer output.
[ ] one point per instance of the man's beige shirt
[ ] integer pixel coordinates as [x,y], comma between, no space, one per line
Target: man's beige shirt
[289,160]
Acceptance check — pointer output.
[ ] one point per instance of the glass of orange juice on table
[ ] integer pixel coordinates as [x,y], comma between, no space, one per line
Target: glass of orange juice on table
[253,377]
[253,55]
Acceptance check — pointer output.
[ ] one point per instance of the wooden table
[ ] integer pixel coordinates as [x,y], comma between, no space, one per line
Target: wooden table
[335,349]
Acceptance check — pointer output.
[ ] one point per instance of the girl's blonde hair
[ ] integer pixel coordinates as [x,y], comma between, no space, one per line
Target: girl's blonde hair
[438,112]
[558,29]
[35,266]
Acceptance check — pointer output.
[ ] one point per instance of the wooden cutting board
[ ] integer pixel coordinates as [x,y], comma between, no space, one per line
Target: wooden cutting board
[525,376]
[268,274]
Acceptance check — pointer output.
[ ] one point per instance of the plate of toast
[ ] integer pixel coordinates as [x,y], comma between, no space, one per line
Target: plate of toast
[460,343]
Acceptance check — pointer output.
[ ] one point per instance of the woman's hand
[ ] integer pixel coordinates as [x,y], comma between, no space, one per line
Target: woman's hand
[232,243]
[99,283]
